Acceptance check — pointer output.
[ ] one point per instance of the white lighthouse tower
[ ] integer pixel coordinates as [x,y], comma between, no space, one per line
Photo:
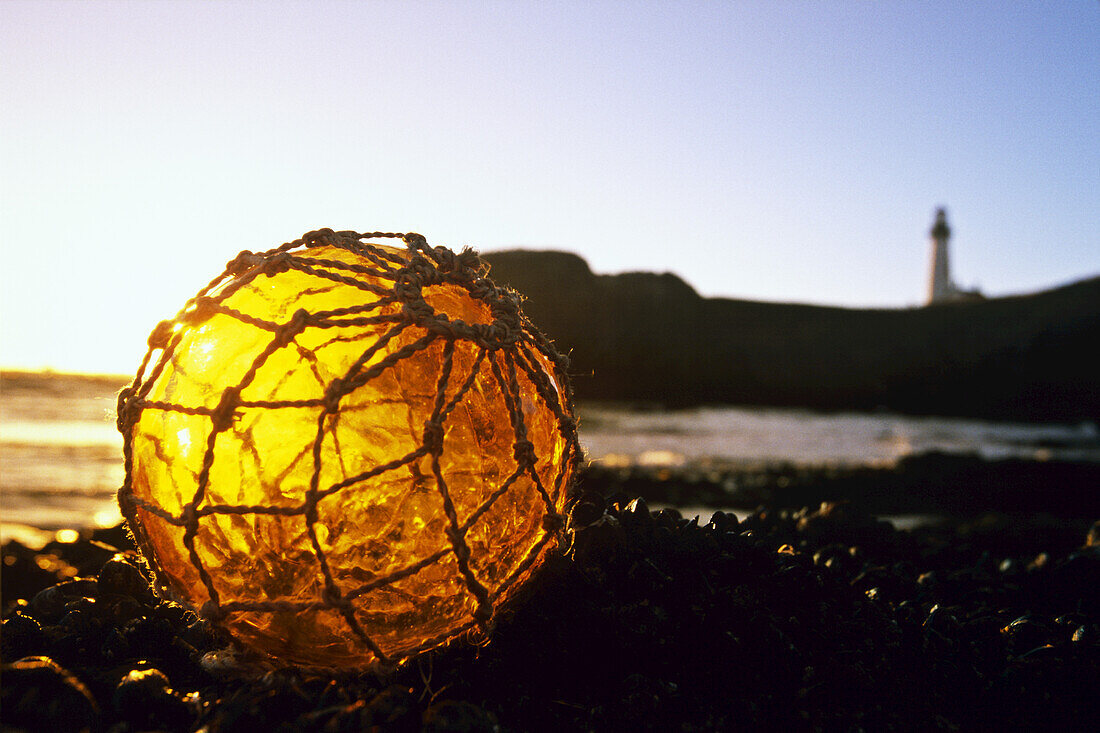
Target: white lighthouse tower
[939,286]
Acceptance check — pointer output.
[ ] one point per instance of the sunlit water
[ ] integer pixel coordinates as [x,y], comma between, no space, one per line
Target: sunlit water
[753,435]
[61,457]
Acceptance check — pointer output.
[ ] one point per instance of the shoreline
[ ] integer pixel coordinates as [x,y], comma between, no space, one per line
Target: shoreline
[925,484]
[933,483]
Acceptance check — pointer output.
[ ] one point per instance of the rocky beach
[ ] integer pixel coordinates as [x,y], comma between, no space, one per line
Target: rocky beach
[862,571]
[814,618]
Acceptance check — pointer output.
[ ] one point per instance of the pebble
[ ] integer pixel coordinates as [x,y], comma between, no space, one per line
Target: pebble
[121,576]
[1086,635]
[48,604]
[145,699]
[459,716]
[391,707]
[40,695]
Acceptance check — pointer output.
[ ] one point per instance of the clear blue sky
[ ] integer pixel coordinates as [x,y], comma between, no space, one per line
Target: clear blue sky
[780,151]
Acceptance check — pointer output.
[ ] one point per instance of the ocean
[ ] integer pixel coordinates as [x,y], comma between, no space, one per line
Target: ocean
[61,457]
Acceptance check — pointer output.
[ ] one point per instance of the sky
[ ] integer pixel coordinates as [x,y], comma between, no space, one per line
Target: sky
[775,151]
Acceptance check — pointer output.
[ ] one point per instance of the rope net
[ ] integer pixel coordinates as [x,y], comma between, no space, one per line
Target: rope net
[345,452]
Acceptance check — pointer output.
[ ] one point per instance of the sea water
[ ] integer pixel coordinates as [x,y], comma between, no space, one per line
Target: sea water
[739,435]
[61,457]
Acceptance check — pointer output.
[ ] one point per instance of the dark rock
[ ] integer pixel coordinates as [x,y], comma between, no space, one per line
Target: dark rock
[1086,635]
[120,609]
[393,707]
[1092,539]
[723,521]
[114,648]
[584,513]
[636,513]
[668,518]
[78,615]
[40,695]
[459,716]
[1026,634]
[22,636]
[48,604]
[121,576]
[145,699]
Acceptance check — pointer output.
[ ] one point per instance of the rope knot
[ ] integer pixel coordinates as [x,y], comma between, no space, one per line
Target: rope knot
[309,510]
[276,264]
[243,262]
[211,611]
[415,241]
[333,393]
[202,308]
[190,515]
[524,453]
[319,237]
[425,271]
[297,323]
[480,289]
[512,334]
[331,596]
[493,335]
[408,284]
[125,411]
[158,339]
[224,412]
[456,536]
[433,437]
[469,259]
[445,259]
[479,332]
[483,613]
[418,310]
[506,307]
[552,522]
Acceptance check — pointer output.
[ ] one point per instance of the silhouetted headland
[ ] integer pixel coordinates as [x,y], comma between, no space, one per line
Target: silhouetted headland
[650,337]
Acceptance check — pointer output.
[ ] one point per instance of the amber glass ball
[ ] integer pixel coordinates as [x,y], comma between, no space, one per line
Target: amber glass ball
[346,452]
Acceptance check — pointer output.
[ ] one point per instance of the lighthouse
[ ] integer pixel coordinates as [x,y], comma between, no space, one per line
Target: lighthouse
[940,287]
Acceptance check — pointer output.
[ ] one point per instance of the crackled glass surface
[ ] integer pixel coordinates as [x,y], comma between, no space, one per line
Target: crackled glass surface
[385,537]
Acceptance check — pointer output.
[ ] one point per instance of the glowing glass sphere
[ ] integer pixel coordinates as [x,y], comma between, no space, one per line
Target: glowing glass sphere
[346,453]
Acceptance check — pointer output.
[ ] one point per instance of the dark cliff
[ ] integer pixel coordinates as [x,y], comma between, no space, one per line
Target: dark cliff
[649,337]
